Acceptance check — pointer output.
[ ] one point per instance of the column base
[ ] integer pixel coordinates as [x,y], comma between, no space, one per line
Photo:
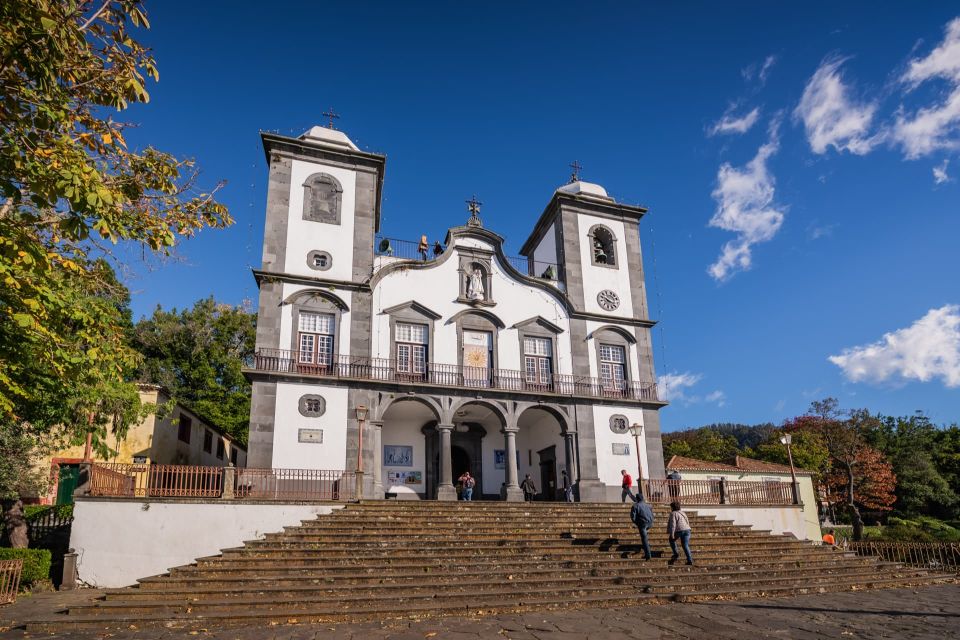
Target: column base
[512,494]
[447,493]
[593,491]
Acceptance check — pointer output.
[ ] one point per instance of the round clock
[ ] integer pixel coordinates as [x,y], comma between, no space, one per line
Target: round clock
[608,300]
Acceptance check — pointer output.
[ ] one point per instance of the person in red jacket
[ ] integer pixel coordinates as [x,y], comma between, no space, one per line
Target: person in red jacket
[626,485]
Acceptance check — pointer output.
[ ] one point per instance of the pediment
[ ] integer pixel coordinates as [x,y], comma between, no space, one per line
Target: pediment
[413,305]
[539,321]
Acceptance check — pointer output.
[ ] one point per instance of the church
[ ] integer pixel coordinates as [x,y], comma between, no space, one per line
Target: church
[407,363]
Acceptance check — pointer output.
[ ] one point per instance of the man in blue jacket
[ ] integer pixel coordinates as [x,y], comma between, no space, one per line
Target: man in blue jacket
[642,515]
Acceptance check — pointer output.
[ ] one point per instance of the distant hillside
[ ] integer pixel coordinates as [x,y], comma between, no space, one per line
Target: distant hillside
[718,442]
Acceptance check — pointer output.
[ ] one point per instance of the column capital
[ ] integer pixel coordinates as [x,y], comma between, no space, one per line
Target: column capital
[445,427]
[512,430]
[376,423]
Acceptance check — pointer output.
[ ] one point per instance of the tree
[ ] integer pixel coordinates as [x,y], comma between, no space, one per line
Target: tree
[198,355]
[71,188]
[859,473]
[702,444]
[18,476]
[809,451]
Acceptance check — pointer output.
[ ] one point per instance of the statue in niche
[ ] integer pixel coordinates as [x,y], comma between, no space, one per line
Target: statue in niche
[475,285]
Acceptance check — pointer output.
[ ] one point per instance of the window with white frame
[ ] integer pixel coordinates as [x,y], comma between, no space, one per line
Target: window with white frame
[411,341]
[538,360]
[613,371]
[316,337]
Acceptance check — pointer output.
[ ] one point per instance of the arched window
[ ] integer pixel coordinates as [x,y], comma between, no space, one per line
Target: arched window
[603,246]
[321,198]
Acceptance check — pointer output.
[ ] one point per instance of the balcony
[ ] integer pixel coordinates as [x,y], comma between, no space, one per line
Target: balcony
[450,375]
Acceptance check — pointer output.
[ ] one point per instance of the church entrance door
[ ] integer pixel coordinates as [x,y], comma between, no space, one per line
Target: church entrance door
[460,463]
[548,473]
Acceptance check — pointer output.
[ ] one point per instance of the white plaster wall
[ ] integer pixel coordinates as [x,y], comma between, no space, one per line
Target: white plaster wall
[121,540]
[287,329]
[493,478]
[288,452]
[405,434]
[536,437]
[596,279]
[778,520]
[609,465]
[546,251]
[808,497]
[304,236]
[437,288]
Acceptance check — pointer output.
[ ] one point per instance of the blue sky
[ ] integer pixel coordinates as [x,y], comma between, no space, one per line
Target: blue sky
[819,143]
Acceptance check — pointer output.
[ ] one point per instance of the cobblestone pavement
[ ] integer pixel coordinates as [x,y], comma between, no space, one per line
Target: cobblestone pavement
[904,614]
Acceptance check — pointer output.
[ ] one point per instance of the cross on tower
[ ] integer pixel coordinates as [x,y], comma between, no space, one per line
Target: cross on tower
[331,114]
[473,206]
[575,176]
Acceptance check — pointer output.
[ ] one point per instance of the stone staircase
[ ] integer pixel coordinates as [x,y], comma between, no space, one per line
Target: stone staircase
[379,560]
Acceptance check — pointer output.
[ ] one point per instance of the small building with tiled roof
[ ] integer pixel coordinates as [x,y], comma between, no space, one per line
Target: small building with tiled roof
[748,469]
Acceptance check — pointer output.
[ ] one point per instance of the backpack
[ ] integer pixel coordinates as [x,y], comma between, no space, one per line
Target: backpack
[640,515]
[469,483]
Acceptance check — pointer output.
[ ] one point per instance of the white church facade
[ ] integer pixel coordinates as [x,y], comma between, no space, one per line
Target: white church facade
[413,364]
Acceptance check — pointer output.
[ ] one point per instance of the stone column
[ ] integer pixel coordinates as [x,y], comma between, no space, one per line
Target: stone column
[513,492]
[569,446]
[445,489]
[377,427]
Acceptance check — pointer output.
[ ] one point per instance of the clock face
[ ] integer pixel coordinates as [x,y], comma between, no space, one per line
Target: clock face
[608,300]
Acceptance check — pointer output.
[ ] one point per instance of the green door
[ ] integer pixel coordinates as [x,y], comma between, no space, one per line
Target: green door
[69,474]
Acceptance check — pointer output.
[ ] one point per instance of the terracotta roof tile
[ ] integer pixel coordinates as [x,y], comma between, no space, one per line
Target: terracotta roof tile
[681,463]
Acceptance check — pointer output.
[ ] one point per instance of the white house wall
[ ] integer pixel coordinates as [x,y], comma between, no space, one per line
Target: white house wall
[596,278]
[288,451]
[304,236]
[608,464]
[405,433]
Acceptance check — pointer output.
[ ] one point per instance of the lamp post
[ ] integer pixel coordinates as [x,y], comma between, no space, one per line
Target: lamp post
[361,412]
[637,430]
[786,439]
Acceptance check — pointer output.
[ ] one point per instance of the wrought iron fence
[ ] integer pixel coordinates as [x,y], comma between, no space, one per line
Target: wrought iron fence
[294,484]
[10,571]
[938,556]
[451,375]
[721,491]
[185,481]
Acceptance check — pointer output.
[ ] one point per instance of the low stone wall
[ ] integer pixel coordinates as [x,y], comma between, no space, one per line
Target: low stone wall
[791,519]
[118,540]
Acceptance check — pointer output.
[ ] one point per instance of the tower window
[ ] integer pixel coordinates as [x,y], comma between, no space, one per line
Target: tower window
[603,246]
[319,260]
[613,367]
[316,338]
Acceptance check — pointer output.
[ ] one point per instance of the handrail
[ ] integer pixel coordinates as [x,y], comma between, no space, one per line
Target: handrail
[451,375]
[719,492]
[940,556]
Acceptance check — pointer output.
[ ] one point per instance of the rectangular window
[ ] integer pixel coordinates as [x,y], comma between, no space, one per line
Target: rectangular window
[411,340]
[233,456]
[538,361]
[613,360]
[183,428]
[316,338]
[220,448]
[207,442]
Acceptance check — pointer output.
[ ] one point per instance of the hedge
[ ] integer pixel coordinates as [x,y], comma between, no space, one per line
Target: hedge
[36,563]
[32,511]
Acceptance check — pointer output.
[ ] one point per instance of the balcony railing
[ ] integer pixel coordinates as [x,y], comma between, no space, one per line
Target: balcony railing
[450,375]
[410,250]
[726,492]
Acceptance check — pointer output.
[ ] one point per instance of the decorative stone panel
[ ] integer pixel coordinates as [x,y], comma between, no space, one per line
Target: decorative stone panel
[312,405]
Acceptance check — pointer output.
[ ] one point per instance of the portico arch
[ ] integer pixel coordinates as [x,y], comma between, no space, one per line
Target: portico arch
[400,455]
[547,445]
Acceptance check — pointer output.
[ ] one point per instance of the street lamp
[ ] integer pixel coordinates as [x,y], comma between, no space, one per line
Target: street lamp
[361,412]
[786,439]
[636,429]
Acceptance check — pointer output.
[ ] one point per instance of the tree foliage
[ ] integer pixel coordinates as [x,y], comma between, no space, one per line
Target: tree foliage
[71,188]
[702,444]
[198,355]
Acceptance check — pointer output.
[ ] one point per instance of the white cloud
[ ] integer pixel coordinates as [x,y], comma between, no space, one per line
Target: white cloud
[673,385]
[761,71]
[934,127]
[830,117]
[730,123]
[745,206]
[940,172]
[927,349]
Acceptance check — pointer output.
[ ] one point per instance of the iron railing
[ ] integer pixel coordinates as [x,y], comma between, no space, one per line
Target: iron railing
[938,556]
[182,481]
[451,375]
[725,492]
[410,250]
[293,484]
[10,571]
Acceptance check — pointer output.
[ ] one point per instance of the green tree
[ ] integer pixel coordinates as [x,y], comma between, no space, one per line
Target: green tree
[809,451]
[198,355]
[702,444]
[70,189]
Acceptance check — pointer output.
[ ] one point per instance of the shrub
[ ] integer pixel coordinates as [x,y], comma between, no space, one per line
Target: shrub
[32,511]
[36,564]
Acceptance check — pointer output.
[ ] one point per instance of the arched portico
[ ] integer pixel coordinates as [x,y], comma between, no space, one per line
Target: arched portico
[547,448]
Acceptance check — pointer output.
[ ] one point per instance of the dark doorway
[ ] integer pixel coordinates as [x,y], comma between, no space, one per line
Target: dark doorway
[67,483]
[459,463]
[548,473]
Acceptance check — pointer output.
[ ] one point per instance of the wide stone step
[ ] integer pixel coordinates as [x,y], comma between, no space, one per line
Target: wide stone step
[491,528]
[213,589]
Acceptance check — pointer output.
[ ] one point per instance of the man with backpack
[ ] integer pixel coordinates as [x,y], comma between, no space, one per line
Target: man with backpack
[642,515]
[467,483]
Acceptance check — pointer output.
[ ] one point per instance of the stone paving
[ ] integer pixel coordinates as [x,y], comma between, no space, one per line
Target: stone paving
[904,614]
